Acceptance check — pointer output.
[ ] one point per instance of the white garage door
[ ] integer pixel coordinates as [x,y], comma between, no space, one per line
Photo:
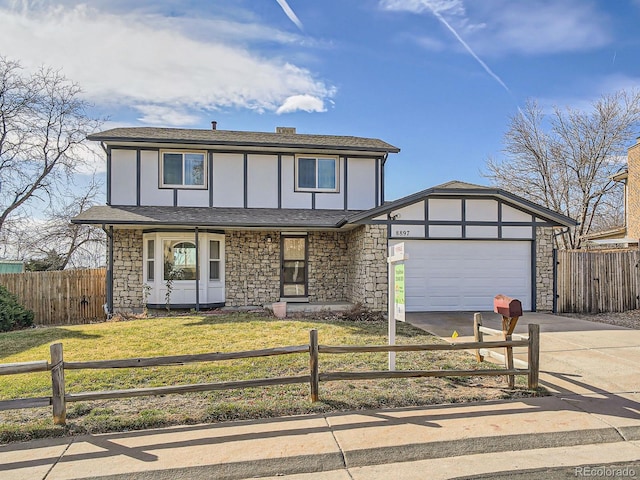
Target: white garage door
[465,275]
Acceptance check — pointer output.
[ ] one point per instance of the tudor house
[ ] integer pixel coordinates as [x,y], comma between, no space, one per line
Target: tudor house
[205,218]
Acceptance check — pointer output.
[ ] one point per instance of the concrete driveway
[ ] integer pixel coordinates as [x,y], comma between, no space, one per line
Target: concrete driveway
[580,360]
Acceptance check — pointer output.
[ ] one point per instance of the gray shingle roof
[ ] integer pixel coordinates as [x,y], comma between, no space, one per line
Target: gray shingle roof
[238,138]
[213,217]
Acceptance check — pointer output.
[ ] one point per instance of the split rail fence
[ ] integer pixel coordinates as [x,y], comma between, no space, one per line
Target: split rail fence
[60,397]
[595,282]
[60,297]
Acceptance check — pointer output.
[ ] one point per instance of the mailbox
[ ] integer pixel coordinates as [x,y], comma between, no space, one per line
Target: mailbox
[507,306]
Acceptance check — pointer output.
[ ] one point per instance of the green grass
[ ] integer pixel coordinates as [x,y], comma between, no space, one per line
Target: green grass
[222,333]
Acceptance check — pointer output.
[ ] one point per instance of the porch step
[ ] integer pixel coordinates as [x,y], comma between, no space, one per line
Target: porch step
[294,299]
[316,307]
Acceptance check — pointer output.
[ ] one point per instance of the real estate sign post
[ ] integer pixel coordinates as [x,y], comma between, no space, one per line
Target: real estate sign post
[395,296]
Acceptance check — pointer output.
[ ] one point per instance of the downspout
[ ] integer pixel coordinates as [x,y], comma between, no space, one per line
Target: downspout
[109,286]
[555,268]
[555,280]
[384,160]
[197,271]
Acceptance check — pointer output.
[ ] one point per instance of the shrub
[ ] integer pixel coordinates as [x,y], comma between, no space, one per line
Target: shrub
[13,315]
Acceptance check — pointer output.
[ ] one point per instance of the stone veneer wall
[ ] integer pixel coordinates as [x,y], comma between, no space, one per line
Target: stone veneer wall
[544,269]
[127,270]
[252,268]
[343,266]
[328,260]
[367,268]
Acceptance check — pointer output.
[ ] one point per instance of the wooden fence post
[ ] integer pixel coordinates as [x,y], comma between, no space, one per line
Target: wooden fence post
[477,334]
[313,364]
[509,362]
[57,385]
[534,355]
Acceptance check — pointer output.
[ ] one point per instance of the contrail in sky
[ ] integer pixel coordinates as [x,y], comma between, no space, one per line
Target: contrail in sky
[290,13]
[468,48]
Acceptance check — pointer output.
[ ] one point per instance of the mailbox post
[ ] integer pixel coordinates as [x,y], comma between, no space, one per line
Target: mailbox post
[511,311]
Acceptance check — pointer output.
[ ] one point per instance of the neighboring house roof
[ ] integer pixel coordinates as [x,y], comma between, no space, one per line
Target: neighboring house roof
[11,266]
[457,188]
[242,139]
[614,233]
[621,175]
[213,217]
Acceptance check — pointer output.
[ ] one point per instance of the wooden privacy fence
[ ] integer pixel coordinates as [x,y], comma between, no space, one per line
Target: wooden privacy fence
[62,296]
[60,397]
[594,282]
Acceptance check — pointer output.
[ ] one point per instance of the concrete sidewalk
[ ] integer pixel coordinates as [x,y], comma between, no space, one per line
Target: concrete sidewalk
[358,443]
[592,420]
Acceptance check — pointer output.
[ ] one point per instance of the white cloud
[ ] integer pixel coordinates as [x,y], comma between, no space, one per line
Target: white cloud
[504,27]
[156,64]
[165,115]
[306,103]
[547,27]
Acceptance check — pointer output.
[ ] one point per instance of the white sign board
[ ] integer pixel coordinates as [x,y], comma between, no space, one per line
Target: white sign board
[395,294]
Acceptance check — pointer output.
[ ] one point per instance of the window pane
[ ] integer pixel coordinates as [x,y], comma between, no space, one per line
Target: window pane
[194,169]
[151,246]
[326,173]
[150,272]
[294,271]
[294,290]
[214,250]
[294,248]
[179,260]
[214,270]
[172,169]
[307,172]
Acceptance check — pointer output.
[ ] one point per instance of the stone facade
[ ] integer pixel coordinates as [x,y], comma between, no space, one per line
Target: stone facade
[633,192]
[338,268]
[252,268]
[544,269]
[328,260]
[127,270]
[367,268]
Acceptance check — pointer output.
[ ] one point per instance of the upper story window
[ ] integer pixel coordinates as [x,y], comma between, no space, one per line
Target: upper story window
[183,169]
[316,174]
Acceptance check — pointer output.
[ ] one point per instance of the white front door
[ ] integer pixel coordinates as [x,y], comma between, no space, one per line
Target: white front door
[465,275]
[171,266]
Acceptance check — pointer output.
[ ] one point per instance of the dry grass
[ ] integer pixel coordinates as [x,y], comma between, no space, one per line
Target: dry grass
[234,332]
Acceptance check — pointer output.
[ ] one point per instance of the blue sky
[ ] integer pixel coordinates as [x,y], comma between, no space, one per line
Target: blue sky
[437,78]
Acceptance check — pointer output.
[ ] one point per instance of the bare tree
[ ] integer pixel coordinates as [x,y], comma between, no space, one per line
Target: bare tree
[43,122]
[565,160]
[77,245]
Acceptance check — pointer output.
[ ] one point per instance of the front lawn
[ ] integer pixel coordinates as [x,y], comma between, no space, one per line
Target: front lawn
[224,333]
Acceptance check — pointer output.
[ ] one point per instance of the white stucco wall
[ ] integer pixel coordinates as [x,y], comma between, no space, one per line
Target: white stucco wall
[123,177]
[262,181]
[228,180]
[361,193]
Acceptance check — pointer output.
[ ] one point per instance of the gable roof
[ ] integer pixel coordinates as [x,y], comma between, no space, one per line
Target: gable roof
[239,138]
[212,217]
[458,188]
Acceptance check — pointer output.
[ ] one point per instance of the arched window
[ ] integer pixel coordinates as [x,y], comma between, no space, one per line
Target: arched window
[179,260]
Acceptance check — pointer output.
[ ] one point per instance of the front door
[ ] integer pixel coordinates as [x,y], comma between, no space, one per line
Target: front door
[293,279]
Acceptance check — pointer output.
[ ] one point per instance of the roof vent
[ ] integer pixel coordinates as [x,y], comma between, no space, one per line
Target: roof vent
[214,125]
[286,130]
